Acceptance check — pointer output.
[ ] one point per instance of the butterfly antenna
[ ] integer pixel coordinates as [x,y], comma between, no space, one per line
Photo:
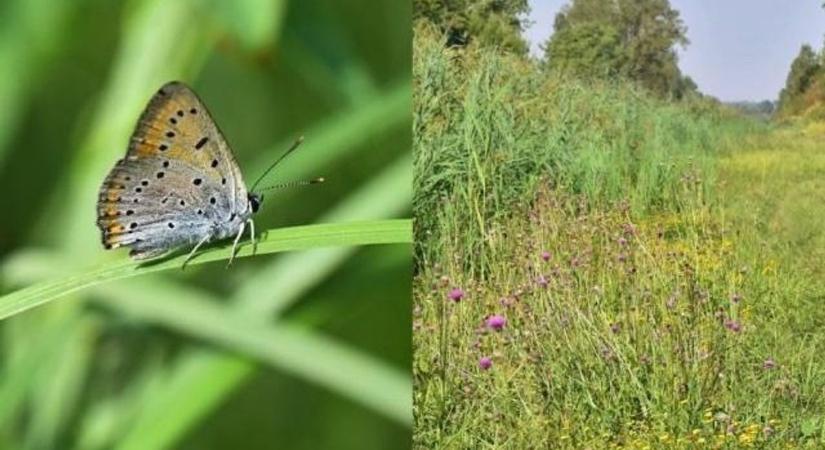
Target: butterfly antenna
[290,184]
[294,146]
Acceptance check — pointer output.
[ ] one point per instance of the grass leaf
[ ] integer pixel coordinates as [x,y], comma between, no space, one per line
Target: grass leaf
[272,241]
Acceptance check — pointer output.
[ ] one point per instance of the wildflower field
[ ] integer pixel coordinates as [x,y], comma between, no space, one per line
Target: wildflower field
[599,269]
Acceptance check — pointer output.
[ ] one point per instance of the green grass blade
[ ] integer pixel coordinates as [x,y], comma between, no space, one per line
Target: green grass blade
[255,23]
[16,375]
[30,36]
[301,352]
[277,240]
[61,382]
[192,379]
[349,131]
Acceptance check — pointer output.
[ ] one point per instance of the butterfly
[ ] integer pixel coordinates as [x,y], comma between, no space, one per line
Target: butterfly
[179,184]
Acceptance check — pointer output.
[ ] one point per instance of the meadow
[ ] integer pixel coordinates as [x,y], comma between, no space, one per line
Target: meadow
[600,269]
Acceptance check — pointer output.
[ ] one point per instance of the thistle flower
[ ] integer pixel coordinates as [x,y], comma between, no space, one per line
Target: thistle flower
[496,322]
[542,281]
[545,255]
[485,363]
[733,325]
[456,294]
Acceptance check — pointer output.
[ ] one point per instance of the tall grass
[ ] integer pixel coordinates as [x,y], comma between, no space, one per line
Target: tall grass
[490,128]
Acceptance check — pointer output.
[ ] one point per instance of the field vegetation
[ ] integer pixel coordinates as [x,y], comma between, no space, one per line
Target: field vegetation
[601,266]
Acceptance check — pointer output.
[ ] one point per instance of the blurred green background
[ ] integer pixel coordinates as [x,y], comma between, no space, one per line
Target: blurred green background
[139,364]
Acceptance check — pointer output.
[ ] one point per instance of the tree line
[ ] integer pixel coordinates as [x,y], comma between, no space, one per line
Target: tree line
[634,40]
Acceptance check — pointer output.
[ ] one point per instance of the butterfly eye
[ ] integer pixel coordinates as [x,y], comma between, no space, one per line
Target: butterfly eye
[255,202]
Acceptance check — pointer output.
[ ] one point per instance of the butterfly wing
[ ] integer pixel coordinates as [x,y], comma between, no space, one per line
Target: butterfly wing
[178,183]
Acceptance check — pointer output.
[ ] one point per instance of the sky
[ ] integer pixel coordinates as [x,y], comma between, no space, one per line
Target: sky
[739,49]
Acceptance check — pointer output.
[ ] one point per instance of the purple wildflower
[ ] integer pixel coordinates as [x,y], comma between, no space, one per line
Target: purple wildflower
[542,281]
[545,255]
[485,362]
[456,294]
[629,229]
[496,322]
[768,364]
[733,325]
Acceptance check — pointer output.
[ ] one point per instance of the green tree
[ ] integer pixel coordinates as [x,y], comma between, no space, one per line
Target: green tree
[589,50]
[804,69]
[636,39]
[489,22]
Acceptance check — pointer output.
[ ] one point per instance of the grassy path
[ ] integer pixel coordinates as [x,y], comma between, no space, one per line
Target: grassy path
[773,196]
[774,189]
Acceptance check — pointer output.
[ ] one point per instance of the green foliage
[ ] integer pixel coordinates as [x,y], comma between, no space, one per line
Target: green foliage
[590,50]
[806,70]
[490,127]
[632,39]
[496,23]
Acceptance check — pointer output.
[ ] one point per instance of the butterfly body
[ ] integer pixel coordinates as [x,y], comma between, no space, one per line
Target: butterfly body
[179,184]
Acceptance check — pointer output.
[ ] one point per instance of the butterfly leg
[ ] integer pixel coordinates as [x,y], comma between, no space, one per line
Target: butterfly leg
[252,236]
[235,244]
[192,253]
